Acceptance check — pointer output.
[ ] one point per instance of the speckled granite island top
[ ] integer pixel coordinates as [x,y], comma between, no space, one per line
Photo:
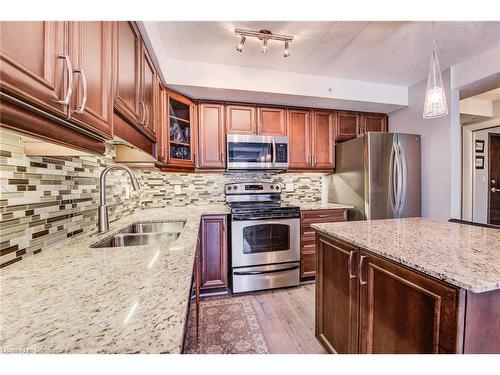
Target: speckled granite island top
[462,255]
[77,299]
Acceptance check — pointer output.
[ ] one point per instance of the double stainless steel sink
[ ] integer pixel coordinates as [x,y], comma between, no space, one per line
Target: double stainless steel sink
[149,233]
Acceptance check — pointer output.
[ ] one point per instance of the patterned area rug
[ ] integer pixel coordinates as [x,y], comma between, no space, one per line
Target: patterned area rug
[229,326]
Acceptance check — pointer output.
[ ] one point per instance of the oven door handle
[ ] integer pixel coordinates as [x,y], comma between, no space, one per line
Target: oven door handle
[241,273]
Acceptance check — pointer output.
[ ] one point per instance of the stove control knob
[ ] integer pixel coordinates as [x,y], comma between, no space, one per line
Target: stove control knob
[277,187]
[236,188]
[272,187]
[229,188]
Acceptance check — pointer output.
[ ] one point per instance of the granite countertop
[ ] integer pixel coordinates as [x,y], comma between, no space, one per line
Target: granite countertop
[304,206]
[77,299]
[463,255]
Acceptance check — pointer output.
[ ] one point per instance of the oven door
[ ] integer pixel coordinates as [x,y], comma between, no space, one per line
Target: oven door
[260,242]
[249,152]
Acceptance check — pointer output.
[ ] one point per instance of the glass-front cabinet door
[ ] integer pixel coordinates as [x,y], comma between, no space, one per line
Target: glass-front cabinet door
[180,130]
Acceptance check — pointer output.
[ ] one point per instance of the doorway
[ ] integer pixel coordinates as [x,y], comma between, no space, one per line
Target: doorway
[494,178]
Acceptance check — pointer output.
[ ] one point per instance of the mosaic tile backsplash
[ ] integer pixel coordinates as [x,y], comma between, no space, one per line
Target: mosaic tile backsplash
[47,199]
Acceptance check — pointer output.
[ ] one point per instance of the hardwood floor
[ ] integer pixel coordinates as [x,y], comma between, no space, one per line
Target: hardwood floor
[286,317]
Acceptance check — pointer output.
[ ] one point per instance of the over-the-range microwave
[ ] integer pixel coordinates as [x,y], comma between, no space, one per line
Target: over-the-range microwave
[257,152]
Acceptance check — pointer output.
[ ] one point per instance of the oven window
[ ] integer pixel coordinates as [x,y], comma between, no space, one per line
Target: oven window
[249,152]
[265,238]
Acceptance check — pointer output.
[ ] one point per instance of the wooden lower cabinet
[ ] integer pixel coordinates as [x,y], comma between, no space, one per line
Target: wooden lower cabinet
[213,255]
[308,237]
[402,311]
[336,297]
[368,304]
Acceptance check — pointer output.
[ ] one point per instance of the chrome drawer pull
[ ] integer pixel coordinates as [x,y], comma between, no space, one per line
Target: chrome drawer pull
[349,266]
[360,270]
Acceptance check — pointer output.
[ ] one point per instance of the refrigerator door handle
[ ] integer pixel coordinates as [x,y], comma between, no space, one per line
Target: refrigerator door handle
[393,179]
[399,179]
[404,178]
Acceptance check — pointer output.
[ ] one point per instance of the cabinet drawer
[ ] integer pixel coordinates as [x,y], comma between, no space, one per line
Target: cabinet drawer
[307,263]
[323,216]
[307,231]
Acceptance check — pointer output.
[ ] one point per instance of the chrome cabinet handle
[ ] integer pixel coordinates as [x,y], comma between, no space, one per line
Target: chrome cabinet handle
[495,190]
[83,105]
[349,265]
[143,117]
[69,89]
[360,270]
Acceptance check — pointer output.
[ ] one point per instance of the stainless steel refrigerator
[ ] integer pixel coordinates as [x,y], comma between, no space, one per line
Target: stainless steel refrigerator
[378,174]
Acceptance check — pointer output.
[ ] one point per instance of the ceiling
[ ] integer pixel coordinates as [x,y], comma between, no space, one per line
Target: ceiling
[395,53]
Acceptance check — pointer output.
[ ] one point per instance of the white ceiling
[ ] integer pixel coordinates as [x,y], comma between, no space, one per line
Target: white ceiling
[394,53]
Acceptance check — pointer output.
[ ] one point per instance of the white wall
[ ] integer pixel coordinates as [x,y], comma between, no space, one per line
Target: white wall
[480,179]
[440,147]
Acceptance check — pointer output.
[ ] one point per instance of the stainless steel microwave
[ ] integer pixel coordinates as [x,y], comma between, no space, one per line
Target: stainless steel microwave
[257,152]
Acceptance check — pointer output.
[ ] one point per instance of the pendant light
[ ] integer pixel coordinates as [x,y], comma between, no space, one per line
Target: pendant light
[435,98]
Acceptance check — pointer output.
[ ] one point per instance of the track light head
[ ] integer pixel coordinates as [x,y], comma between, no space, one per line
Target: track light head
[287,49]
[264,46]
[239,47]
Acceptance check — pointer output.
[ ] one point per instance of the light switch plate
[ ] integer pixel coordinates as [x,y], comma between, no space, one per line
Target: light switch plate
[289,187]
[177,189]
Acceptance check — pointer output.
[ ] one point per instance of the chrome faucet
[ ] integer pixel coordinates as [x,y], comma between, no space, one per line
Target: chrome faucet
[103,208]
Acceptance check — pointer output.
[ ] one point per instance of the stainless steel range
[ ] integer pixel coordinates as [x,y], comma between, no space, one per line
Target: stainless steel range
[265,237]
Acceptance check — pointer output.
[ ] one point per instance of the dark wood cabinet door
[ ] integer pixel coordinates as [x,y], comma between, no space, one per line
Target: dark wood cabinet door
[128,71]
[299,139]
[148,93]
[240,119]
[162,123]
[373,122]
[90,50]
[272,121]
[323,128]
[213,252]
[336,296]
[347,125]
[32,63]
[403,311]
[211,140]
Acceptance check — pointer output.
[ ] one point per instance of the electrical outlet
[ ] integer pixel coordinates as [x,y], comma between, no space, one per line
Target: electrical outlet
[177,189]
[289,187]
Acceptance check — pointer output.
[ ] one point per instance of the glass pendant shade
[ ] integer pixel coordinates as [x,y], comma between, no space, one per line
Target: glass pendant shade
[435,97]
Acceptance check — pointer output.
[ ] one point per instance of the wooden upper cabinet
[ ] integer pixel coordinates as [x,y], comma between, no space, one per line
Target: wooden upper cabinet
[127,69]
[90,50]
[323,129]
[162,128]
[337,298]
[272,121]
[373,122]
[211,139]
[299,142]
[403,311]
[148,94]
[34,65]
[240,119]
[181,133]
[348,124]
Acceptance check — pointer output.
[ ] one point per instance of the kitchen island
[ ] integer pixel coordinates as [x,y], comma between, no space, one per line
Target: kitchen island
[408,286]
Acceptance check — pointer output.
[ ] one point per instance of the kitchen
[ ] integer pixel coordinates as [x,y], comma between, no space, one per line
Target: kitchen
[158,198]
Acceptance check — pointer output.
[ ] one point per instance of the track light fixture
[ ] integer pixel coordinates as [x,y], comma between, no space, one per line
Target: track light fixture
[264,47]
[239,47]
[287,49]
[264,36]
